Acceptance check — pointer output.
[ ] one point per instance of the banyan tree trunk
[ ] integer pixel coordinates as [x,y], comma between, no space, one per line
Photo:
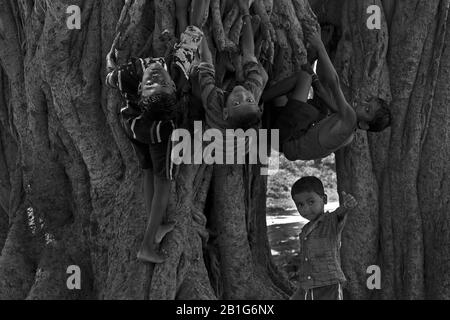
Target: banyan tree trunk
[70,186]
[401,177]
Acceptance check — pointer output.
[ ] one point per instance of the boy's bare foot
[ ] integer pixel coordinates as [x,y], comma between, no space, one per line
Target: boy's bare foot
[150,256]
[163,230]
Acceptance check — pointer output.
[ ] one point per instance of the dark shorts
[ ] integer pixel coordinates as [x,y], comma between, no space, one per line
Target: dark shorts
[154,157]
[151,141]
[331,292]
[296,116]
[300,126]
[307,145]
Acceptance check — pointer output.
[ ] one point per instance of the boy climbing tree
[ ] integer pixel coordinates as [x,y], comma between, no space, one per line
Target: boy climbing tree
[307,129]
[149,119]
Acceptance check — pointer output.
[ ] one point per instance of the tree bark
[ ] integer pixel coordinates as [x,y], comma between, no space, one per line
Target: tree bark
[70,187]
[71,190]
[400,176]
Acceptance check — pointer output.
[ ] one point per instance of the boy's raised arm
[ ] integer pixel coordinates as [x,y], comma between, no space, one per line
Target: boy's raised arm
[247,42]
[207,77]
[328,73]
[255,77]
[331,78]
[348,202]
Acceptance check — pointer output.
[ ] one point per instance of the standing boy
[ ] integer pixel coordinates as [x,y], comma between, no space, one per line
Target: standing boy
[321,276]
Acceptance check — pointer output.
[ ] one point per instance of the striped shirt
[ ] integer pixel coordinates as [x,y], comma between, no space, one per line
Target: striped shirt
[127,78]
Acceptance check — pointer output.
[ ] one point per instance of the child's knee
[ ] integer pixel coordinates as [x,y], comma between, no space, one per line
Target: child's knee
[302,87]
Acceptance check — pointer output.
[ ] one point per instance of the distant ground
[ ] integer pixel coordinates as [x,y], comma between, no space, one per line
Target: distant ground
[283,221]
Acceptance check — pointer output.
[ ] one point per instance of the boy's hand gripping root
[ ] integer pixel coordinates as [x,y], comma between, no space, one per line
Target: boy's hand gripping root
[349,202]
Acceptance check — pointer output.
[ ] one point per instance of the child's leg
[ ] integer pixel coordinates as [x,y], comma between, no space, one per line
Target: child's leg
[302,87]
[178,77]
[327,74]
[329,77]
[149,187]
[195,87]
[279,89]
[185,51]
[155,231]
[145,161]
[296,115]
[149,252]
[299,84]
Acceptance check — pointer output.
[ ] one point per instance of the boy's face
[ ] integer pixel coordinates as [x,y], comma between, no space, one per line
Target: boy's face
[310,205]
[365,112]
[242,108]
[157,80]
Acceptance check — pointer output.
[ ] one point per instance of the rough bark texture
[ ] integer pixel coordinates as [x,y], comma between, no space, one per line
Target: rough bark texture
[401,176]
[70,187]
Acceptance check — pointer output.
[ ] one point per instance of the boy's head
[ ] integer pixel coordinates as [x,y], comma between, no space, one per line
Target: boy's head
[241,110]
[309,197]
[156,80]
[373,115]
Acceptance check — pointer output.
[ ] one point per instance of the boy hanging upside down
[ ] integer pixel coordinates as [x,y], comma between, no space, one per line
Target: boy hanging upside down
[149,119]
[238,108]
[307,131]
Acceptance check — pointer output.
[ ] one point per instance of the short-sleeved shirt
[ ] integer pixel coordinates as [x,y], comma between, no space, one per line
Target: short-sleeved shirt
[320,243]
[213,97]
[150,138]
[136,123]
